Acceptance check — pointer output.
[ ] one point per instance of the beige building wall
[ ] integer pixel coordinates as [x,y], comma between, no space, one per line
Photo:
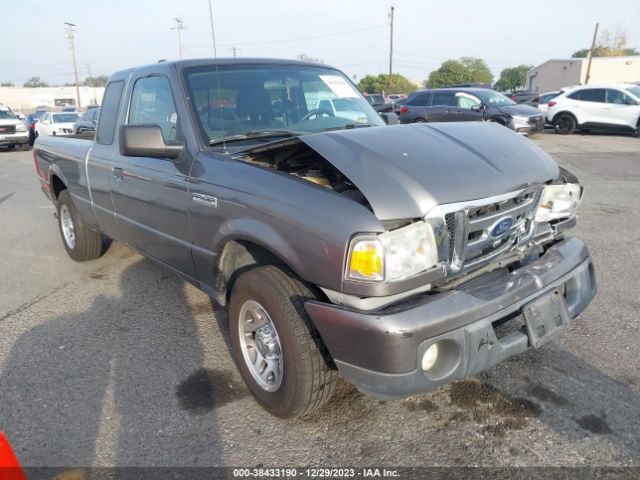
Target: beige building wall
[26,100]
[555,74]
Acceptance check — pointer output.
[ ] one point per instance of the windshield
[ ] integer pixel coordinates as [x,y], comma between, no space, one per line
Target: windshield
[635,90]
[65,117]
[7,113]
[493,99]
[249,98]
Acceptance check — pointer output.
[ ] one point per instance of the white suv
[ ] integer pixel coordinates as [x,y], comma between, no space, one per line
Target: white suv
[13,131]
[614,107]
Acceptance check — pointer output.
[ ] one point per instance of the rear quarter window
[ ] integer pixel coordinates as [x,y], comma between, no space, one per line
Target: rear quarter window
[109,114]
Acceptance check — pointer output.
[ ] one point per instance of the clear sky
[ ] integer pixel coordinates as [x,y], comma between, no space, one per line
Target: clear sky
[352,35]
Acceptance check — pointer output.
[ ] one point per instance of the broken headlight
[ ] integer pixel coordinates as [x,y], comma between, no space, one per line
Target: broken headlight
[558,202]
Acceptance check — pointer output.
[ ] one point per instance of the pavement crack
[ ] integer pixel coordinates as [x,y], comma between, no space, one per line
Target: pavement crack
[33,302]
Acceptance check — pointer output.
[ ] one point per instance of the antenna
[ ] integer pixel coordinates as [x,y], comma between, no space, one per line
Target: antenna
[215,56]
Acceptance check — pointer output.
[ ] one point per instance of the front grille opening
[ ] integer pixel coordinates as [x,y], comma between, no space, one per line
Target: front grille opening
[513,322]
[474,235]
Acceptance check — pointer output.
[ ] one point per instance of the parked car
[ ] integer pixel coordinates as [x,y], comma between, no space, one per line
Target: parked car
[13,132]
[344,108]
[30,122]
[379,103]
[87,122]
[395,97]
[468,105]
[522,96]
[56,123]
[613,107]
[384,254]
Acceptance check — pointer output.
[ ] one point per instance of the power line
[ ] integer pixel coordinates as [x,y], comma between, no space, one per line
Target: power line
[288,40]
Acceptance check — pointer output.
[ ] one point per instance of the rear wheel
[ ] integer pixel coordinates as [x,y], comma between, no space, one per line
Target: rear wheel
[565,124]
[277,349]
[80,242]
[419,120]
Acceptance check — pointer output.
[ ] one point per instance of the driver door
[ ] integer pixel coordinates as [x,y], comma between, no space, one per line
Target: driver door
[150,195]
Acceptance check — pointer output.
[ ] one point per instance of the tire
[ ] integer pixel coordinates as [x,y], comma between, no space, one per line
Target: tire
[565,124]
[303,378]
[25,147]
[11,147]
[80,242]
[419,120]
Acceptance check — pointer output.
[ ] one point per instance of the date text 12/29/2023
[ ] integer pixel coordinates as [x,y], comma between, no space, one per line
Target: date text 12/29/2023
[314,473]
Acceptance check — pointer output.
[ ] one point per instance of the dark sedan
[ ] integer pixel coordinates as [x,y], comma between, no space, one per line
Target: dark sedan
[87,123]
[468,105]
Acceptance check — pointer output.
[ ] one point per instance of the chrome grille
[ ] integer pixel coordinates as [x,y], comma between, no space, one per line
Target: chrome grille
[479,231]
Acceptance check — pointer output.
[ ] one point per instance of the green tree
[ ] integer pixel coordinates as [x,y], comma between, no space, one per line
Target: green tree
[609,45]
[34,82]
[450,72]
[380,83]
[512,78]
[479,71]
[7,84]
[99,81]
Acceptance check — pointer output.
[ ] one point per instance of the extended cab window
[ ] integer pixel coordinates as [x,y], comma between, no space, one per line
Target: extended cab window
[110,105]
[152,103]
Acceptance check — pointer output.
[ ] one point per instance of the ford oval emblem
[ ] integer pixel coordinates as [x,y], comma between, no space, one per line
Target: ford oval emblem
[501,226]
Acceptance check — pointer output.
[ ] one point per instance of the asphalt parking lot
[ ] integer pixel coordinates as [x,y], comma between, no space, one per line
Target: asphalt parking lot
[118,362]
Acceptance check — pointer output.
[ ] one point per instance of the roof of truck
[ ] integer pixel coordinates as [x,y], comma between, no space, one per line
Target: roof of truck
[198,62]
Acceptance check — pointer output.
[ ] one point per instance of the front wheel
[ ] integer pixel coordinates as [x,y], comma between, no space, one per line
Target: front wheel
[565,124]
[80,242]
[277,349]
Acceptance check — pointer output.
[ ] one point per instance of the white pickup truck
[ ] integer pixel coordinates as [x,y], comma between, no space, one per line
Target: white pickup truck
[13,131]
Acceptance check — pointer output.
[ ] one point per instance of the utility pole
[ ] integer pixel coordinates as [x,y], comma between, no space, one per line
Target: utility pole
[235,51]
[70,34]
[90,85]
[593,47]
[389,82]
[180,26]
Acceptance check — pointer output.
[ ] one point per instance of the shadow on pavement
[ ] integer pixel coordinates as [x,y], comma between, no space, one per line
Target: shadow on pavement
[107,386]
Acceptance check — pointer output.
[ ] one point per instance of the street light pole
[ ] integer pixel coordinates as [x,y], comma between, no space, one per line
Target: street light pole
[70,34]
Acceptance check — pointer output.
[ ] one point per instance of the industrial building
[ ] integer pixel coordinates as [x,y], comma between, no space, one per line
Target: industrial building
[26,100]
[557,73]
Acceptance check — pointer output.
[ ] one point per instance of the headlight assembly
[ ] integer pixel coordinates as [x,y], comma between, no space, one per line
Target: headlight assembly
[558,201]
[393,255]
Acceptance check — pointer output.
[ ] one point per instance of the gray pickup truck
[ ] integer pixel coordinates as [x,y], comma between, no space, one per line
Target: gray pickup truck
[401,257]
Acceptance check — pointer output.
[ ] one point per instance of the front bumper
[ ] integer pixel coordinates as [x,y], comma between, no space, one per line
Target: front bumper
[380,352]
[529,126]
[18,138]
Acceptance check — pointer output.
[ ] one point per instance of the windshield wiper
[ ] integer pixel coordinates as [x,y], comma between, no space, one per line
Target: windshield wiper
[348,126]
[256,134]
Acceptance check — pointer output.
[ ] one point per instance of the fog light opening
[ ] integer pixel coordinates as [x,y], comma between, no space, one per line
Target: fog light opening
[440,359]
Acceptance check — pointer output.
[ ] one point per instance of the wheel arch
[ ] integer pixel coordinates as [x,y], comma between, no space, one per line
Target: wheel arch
[57,185]
[239,254]
[553,120]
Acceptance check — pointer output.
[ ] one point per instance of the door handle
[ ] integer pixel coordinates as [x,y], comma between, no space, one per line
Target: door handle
[117,173]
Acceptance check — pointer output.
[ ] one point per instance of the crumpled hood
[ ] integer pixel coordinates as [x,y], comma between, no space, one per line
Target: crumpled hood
[519,109]
[406,170]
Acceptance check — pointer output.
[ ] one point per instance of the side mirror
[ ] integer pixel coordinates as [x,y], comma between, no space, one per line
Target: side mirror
[146,141]
[631,101]
[21,116]
[390,118]
[480,107]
